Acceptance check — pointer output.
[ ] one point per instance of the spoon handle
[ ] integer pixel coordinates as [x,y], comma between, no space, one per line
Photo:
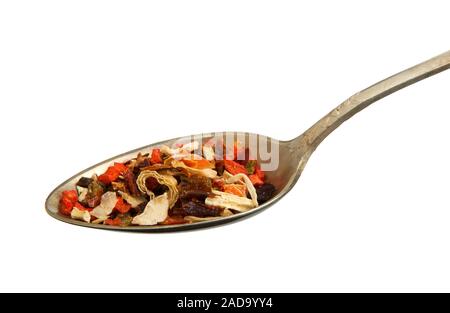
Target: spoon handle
[319,131]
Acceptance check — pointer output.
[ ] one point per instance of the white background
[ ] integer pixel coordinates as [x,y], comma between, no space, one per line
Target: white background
[81,81]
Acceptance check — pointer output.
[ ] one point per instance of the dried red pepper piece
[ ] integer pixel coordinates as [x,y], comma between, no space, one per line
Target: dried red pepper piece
[122,206]
[112,173]
[113,222]
[156,157]
[174,220]
[256,180]
[80,207]
[68,199]
[65,206]
[234,168]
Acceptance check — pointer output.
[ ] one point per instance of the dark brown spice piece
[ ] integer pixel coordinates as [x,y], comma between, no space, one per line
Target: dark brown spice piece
[265,192]
[196,187]
[84,182]
[130,181]
[220,167]
[198,209]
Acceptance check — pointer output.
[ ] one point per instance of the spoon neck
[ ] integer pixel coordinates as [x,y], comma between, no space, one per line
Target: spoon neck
[312,138]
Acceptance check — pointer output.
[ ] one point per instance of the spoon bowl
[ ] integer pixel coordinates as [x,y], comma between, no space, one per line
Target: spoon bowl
[283,178]
[290,157]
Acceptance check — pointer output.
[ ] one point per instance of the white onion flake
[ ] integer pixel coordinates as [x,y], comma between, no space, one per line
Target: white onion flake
[155,212]
[107,205]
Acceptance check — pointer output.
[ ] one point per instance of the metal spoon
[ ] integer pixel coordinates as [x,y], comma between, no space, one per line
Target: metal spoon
[293,154]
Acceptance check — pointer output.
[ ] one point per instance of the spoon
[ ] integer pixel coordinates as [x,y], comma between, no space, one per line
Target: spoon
[292,155]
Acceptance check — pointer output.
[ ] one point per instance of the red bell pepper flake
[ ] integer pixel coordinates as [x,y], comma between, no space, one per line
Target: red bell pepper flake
[234,168]
[65,206]
[256,181]
[109,176]
[156,156]
[68,199]
[122,206]
[174,220]
[260,173]
[71,195]
[113,173]
[122,168]
[113,222]
[238,190]
[80,207]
